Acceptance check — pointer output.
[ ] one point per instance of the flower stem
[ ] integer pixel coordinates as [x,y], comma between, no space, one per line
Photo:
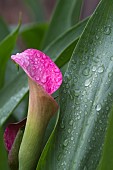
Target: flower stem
[41,108]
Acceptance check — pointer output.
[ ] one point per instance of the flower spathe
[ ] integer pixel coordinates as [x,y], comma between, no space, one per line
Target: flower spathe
[40,68]
[44,78]
[11,132]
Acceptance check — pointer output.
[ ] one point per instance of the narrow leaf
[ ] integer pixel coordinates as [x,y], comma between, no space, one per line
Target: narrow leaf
[6,47]
[11,95]
[65,40]
[33,35]
[4,31]
[62,19]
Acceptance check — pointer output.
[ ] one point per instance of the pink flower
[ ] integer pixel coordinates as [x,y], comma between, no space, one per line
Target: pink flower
[44,79]
[40,68]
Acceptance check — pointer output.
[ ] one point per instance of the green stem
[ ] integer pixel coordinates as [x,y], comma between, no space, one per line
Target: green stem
[41,108]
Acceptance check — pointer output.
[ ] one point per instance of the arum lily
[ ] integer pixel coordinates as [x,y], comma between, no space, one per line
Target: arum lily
[44,78]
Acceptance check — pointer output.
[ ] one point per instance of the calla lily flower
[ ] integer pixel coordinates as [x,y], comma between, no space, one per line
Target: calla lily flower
[44,78]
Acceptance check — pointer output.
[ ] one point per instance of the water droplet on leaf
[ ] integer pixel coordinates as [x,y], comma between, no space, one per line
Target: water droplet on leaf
[86,71]
[65,142]
[101,69]
[98,107]
[87,82]
[107,30]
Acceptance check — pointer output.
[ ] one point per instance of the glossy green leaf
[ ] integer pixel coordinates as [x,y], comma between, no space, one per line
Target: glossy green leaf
[65,55]
[11,95]
[64,41]
[33,35]
[4,31]
[62,19]
[107,154]
[6,47]
[86,98]
[3,154]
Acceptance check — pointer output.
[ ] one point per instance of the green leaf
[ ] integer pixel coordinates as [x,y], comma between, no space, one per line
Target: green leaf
[11,95]
[64,42]
[36,9]
[3,154]
[65,55]
[107,155]
[62,19]
[6,47]
[4,31]
[86,98]
[33,35]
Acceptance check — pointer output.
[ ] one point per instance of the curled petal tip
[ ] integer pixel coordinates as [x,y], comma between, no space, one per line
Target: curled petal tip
[40,68]
[11,132]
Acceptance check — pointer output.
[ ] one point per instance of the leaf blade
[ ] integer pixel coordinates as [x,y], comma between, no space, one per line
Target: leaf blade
[62,13]
[9,99]
[8,42]
[84,98]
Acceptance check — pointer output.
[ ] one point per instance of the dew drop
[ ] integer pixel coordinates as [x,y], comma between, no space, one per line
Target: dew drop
[43,80]
[67,86]
[71,122]
[72,138]
[62,125]
[87,82]
[78,117]
[59,157]
[101,69]
[111,58]
[65,142]
[94,68]
[107,108]
[86,71]
[97,37]
[109,74]
[107,30]
[37,78]
[69,130]
[86,113]
[98,107]
[76,93]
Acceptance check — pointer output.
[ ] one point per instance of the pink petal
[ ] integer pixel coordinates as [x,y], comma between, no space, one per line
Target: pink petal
[40,68]
[11,132]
